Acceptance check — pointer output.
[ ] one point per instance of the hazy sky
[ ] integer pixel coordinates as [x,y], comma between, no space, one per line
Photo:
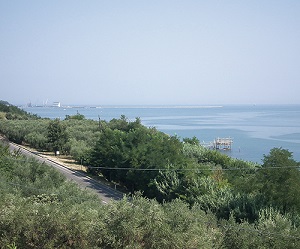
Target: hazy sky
[150,52]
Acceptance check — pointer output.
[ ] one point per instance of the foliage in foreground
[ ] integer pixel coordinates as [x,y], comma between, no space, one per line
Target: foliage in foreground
[162,167]
[40,209]
[228,202]
[13,112]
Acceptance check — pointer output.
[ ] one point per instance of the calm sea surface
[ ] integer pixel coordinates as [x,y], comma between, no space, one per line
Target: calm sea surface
[254,129]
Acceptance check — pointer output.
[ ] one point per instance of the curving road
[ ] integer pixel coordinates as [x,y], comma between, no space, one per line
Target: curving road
[105,192]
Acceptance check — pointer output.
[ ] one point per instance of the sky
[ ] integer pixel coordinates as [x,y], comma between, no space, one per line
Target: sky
[155,52]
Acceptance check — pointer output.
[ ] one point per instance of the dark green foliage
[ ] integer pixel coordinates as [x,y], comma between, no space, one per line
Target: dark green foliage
[32,132]
[134,154]
[36,140]
[13,112]
[193,140]
[15,131]
[22,171]
[159,166]
[144,223]
[39,209]
[272,230]
[124,124]
[59,215]
[279,180]
[77,116]
[57,135]
[169,184]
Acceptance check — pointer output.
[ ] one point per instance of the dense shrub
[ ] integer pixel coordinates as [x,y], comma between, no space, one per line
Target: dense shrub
[162,168]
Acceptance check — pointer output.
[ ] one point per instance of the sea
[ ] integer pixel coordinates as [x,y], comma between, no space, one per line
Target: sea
[254,129]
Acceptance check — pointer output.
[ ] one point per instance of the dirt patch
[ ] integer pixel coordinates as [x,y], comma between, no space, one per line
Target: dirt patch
[64,160]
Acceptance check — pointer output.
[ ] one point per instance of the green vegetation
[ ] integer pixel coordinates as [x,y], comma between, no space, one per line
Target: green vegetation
[8,111]
[39,209]
[57,135]
[190,196]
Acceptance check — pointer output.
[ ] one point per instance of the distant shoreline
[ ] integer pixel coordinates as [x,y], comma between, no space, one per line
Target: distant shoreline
[127,106]
[153,106]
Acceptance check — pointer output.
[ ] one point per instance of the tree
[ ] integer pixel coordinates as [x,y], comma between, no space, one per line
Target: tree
[77,116]
[194,140]
[279,180]
[57,135]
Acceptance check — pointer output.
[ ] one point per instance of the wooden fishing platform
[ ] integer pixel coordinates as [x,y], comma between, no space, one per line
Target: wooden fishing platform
[223,143]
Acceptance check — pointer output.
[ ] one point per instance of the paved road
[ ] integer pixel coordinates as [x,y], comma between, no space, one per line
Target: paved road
[105,193]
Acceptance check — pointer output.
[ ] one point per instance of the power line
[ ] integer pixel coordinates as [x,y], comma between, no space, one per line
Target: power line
[160,169]
[261,232]
[193,169]
[166,169]
[173,169]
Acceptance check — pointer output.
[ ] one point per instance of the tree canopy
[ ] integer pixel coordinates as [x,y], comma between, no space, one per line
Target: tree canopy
[40,209]
[251,205]
[57,135]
